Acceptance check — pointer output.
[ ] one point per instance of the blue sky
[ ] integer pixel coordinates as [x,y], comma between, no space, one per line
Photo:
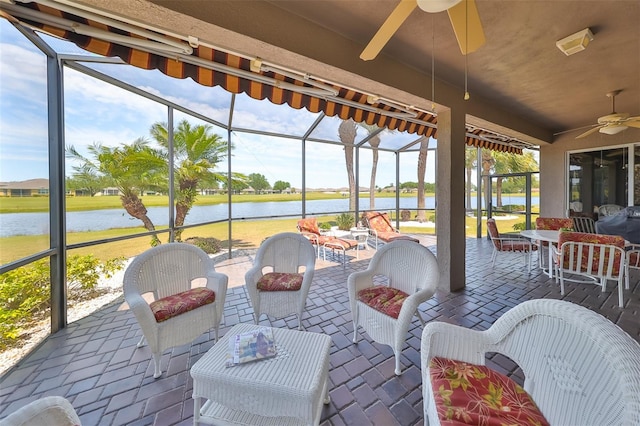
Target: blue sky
[99,112]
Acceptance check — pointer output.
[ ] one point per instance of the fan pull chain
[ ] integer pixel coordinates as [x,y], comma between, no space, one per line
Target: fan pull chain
[433,64]
[466,48]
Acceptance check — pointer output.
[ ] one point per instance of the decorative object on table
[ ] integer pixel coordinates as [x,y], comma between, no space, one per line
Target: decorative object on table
[250,346]
[381,228]
[592,259]
[179,312]
[385,297]
[278,282]
[579,367]
[503,243]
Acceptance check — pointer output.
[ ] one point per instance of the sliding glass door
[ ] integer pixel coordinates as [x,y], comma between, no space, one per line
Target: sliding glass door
[604,177]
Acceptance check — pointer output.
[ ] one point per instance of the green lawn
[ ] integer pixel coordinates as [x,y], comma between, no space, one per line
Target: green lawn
[41,204]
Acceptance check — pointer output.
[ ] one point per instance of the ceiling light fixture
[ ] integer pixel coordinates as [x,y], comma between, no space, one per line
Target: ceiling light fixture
[575,42]
[435,6]
[613,129]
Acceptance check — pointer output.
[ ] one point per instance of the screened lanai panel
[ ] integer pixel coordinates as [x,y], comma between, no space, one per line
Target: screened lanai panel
[332,129]
[265,116]
[212,67]
[24,148]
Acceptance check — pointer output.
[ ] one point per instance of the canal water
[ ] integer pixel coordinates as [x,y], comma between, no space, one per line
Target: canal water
[96,220]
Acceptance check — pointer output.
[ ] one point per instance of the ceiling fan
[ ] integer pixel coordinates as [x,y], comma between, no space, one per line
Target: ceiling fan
[463,15]
[613,123]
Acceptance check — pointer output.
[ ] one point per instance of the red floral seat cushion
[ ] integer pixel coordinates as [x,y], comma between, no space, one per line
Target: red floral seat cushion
[469,394]
[614,240]
[553,224]
[387,300]
[309,225]
[176,304]
[280,281]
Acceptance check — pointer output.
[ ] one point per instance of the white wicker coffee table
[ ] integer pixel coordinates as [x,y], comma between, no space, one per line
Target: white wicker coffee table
[288,389]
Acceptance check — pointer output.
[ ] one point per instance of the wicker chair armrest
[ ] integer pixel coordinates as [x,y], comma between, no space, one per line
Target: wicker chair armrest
[440,339]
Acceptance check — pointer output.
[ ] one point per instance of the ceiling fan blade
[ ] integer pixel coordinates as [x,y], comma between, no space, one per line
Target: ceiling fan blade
[633,123]
[588,132]
[460,24]
[388,29]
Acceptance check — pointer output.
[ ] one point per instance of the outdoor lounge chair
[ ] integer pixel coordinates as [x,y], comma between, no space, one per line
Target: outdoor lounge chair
[381,228]
[579,368]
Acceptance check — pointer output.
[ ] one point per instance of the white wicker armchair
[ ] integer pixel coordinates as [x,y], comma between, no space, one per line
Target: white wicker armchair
[285,253]
[399,265]
[47,411]
[579,367]
[170,270]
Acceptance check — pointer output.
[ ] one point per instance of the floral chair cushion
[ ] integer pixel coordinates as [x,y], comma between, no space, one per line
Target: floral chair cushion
[387,237]
[614,240]
[387,300]
[280,281]
[553,224]
[176,304]
[469,394]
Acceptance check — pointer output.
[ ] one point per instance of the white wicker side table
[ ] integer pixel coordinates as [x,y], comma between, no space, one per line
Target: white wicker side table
[288,389]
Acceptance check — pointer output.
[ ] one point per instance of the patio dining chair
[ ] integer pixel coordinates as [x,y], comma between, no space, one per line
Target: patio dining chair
[584,224]
[503,243]
[591,258]
[181,309]
[549,224]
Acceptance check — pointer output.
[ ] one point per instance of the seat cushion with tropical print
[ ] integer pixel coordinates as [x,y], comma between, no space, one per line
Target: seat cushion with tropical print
[614,240]
[378,221]
[176,304]
[280,281]
[553,224]
[387,300]
[469,394]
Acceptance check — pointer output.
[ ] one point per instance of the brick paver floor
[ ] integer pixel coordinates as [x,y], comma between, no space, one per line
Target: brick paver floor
[95,364]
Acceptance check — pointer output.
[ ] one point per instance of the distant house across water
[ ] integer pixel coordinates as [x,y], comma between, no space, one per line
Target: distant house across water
[25,188]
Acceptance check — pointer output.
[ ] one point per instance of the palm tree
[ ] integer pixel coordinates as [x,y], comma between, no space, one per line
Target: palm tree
[470,162]
[374,142]
[487,164]
[347,133]
[511,163]
[197,151]
[422,168]
[130,168]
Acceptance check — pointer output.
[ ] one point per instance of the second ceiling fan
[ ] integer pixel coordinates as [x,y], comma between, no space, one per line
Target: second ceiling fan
[463,15]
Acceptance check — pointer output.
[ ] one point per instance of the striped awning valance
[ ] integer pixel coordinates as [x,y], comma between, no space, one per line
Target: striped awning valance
[481,138]
[204,65]
[212,67]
